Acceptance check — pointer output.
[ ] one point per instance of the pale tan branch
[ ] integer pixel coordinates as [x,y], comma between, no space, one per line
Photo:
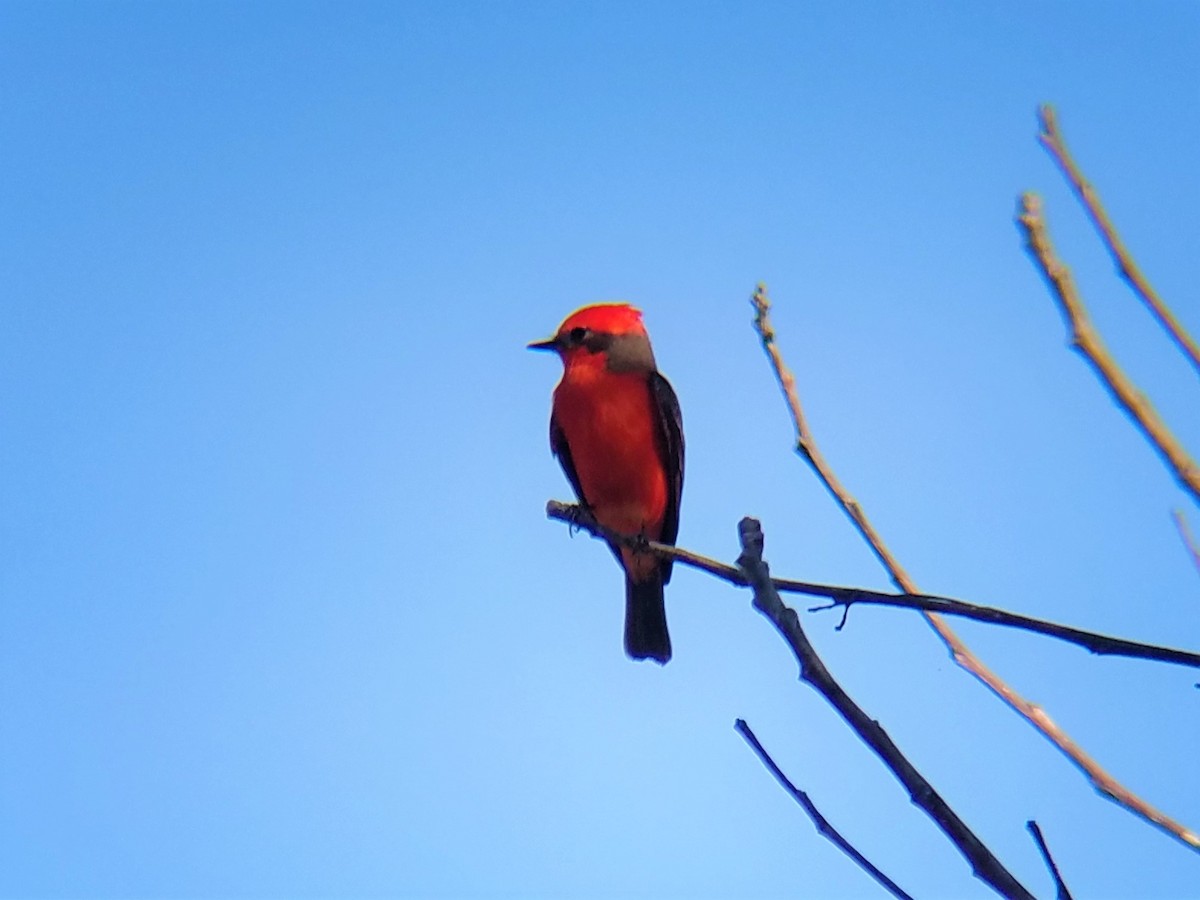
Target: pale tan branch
[1086,340]
[1185,535]
[1051,138]
[962,655]
[808,448]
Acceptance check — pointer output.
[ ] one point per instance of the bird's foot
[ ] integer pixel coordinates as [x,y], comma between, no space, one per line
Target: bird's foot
[580,518]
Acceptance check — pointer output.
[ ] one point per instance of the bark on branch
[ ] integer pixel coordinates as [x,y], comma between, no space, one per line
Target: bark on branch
[1051,138]
[1086,340]
[1101,780]
[1060,886]
[1100,644]
[812,670]
[823,827]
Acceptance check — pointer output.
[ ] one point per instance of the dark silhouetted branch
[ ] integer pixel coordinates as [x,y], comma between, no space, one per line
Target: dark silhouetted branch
[767,601]
[579,517]
[960,652]
[845,597]
[1060,886]
[823,827]
[1099,644]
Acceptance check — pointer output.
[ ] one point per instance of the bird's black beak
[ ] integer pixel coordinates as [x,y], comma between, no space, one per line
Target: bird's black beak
[550,344]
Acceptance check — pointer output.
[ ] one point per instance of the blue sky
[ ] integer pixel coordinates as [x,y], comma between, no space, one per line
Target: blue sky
[280,614]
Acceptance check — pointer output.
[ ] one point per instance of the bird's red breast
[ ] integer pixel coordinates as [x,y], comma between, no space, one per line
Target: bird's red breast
[609,423]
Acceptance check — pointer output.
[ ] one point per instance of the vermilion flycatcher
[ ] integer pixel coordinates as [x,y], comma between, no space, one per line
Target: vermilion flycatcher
[616,429]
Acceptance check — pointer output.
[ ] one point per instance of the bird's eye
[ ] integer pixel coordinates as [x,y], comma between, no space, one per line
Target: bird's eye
[578,335]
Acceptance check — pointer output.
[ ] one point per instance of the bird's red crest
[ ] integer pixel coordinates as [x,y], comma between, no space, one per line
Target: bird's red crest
[610,318]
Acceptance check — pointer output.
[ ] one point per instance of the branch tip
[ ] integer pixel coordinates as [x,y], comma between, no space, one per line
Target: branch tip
[822,824]
[962,655]
[1052,140]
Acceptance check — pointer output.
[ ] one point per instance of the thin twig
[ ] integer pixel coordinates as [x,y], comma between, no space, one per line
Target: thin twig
[767,601]
[1086,340]
[823,827]
[808,449]
[960,652]
[845,597]
[1185,535]
[1099,644]
[1051,138]
[1063,893]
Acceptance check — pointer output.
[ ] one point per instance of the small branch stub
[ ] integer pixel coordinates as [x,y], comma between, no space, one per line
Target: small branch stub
[577,517]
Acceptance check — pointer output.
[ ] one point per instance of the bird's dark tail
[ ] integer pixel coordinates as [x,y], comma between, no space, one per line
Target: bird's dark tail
[646,620]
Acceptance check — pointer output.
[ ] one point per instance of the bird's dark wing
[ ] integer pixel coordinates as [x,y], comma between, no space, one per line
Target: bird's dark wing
[560,448]
[670,433]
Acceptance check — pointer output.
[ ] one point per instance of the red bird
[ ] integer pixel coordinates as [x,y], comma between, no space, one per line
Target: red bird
[616,429]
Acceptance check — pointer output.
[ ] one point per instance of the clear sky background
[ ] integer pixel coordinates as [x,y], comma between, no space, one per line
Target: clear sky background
[280,612]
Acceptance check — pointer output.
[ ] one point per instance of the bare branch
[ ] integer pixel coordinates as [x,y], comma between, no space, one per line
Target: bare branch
[1100,644]
[823,826]
[1086,340]
[1051,138]
[579,517]
[1063,893]
[961,653]
[1185,535]
[808,449]
[845,597]
[767,601]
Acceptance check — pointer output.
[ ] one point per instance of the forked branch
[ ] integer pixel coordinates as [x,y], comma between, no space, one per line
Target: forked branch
[962,655]
[845,597]
[767,601]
